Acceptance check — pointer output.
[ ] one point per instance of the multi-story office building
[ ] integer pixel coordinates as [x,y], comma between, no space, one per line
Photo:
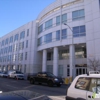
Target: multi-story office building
[61,40]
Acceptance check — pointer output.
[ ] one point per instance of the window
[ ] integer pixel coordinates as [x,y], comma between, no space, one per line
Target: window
[68,70]
[48,38]
[79,14]
[11,39]
[48,24]
[10,49]
[6,41]
[22,35]
[2,43]
[64,33]
[20,56]
[40,29]
[21,45]
[25,55]
[95,85]
[64,18]
[50,56]
[64,54]
[15,47]
[57,20]
[26,43]
[82,83]
[27,32]
[40,41]
[50,68]
[58,35]
[16,37]
[14,57]
[79,31]
[80,52]
[60,70]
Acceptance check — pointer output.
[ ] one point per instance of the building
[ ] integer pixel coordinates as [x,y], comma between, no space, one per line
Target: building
[61,40]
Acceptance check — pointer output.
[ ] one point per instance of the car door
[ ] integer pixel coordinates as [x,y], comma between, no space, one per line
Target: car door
[44,78]
[38,77]
[94,89]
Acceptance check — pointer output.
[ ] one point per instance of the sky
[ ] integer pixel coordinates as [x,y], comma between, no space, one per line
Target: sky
[15,13]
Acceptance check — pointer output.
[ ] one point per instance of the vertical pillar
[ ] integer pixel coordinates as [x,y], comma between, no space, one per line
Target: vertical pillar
[72,61]
[44,60]
[55,61]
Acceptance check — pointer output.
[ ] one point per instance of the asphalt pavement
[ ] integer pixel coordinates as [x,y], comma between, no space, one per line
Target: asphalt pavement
[56,93]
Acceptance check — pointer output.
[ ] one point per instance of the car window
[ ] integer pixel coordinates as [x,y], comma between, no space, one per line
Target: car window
[95,85]
[82,83]
[39,75]
[18,72]
[44,75]
[50,74]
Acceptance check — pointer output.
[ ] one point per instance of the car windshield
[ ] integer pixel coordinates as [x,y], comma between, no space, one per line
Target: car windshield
[18,72]
[50,74]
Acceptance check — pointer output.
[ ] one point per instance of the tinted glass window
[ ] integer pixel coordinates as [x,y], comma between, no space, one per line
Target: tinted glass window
[64,33]
[57,20]
[58,35]
[48,24]
[79,31]
[79,14]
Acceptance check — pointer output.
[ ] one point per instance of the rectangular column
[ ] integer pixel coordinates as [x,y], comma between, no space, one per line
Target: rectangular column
[55,61]
[44,60]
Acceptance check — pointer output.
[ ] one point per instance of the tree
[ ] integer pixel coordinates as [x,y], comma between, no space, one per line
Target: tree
[94,64]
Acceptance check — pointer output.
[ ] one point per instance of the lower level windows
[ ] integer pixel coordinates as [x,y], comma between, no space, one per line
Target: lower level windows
[60,70]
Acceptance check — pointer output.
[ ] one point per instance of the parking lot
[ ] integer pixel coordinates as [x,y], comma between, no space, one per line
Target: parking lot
[57,93]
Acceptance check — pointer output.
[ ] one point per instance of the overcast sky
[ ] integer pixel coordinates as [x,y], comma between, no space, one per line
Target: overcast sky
[15,13]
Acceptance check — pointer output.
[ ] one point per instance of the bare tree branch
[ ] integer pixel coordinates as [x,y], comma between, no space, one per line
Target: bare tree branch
[94,64]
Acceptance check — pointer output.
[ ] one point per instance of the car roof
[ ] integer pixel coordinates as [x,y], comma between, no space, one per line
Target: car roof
[91,75]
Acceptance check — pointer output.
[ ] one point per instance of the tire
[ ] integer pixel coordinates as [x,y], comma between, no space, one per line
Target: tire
[50,84]
[32,81]
[58,85]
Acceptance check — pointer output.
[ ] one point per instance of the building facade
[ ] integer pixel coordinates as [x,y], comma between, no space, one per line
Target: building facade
[61,40]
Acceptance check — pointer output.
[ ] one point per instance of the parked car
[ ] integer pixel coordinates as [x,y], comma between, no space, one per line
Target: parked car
[3,74]
[29,75]
[15,74]
[85,87]
[46,77]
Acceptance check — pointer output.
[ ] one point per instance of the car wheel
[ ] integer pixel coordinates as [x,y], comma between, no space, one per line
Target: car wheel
[50,83]
[58,85]
[32,81]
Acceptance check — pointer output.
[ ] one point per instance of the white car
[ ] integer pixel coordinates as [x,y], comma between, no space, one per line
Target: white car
[4,74]
[85,87]
[15,74]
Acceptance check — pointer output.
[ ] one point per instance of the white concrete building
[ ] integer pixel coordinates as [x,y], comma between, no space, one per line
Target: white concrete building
[61,40]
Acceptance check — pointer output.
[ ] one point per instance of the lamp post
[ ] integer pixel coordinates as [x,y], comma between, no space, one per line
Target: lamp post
[72,55]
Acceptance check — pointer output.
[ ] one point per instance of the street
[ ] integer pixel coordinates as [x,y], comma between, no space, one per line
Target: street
[56,93]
